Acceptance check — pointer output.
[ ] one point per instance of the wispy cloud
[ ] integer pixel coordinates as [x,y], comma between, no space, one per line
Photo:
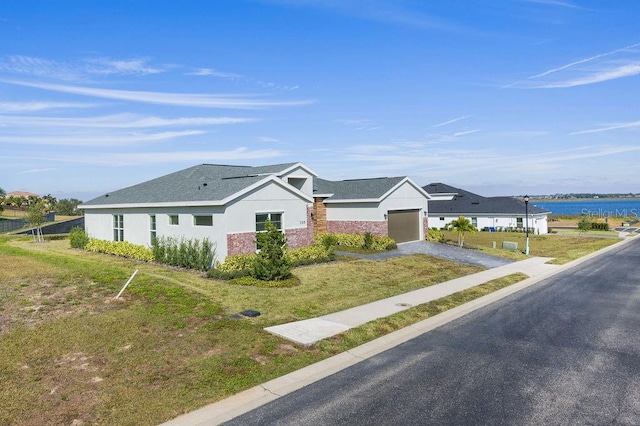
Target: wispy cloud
[114,159]
[598,77]
[555,3]
[177,99]
[32,171]
[467,132]
[585,60]
[608,128]
[41,67]
[213,73]
[120,121]
[590,70]
[22,107]
[402,13]
[110,139]
[455,120]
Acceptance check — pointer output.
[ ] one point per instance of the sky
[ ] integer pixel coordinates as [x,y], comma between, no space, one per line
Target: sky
[500,97]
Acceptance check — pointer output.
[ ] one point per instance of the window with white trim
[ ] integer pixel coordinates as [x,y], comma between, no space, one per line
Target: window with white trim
[203,220]
[174,219]
[118,227]
[152,228]
[262,218]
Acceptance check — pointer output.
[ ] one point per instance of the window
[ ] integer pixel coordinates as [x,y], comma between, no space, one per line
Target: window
[152,227]
[261,220]
[519,222]
[173,219]
[474,222]
[118,227]
[203,220]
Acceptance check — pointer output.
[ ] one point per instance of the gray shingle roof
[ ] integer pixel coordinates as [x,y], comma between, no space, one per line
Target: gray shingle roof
[205,182]
[355,189]
[465,203]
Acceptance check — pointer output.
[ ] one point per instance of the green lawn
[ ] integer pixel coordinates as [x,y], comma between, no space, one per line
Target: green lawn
[564,248]
[69,351]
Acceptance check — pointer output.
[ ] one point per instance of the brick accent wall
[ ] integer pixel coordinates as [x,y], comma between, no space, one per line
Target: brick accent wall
[358,227]
[301,237]
[425,226]
[241,243]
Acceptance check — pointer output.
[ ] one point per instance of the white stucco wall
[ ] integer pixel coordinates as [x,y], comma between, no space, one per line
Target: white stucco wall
[537,224]
[237,217]
[272,198]
[300,173]
[137,224]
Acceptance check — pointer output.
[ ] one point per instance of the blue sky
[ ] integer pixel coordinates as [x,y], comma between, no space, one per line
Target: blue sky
[499,97]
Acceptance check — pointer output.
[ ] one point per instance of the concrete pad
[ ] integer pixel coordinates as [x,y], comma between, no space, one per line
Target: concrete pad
[308,331]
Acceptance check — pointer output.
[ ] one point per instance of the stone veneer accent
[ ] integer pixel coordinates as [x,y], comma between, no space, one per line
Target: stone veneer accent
[425,226]
[320,215]
[379,228]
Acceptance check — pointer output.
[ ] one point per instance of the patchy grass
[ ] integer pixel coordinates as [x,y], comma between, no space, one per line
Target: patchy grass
[564,248]
[71,353]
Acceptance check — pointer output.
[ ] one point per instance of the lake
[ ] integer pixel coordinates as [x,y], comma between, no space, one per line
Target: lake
[615,208]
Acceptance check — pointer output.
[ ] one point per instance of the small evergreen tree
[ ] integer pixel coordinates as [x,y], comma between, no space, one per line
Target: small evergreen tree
[584,224]
[368,241]
[271,264]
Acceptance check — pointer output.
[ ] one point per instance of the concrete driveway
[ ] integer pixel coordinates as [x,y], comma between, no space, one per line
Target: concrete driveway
[442,251]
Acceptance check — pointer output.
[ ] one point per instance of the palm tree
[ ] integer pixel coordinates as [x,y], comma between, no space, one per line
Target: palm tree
[462,225]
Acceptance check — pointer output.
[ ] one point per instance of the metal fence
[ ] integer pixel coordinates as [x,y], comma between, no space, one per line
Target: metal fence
[11,224]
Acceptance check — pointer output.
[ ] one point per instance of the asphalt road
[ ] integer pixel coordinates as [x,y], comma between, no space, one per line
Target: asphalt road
[565,351]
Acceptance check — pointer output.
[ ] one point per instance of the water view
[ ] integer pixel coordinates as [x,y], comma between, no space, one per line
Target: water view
[619,208]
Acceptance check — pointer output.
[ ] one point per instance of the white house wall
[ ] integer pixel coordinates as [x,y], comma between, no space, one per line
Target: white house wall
[301,173]
[137,224]
[272,198]
[537,224]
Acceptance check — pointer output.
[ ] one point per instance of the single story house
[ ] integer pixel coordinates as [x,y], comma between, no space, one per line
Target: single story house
[394,207]
[485,213]
[229,204]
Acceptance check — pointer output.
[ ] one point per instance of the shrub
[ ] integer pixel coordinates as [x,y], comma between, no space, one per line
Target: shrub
[434,234]
[368,241]
[308,255]
[191,254]
[357,241]
[270,263]
[236,262]
[78,238]
[597,226]
[120,248]
[327,240]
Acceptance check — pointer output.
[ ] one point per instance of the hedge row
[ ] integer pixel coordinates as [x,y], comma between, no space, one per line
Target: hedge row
[356,240]
[120,248]
[240,265]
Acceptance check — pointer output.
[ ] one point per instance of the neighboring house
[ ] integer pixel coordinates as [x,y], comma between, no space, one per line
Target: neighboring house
[229,204]
[226,204]
[394,207]
[486,213]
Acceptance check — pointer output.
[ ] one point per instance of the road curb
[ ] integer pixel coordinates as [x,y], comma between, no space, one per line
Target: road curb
[229,408]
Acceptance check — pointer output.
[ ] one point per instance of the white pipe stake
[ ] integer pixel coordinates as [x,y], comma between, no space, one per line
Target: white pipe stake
[125,286]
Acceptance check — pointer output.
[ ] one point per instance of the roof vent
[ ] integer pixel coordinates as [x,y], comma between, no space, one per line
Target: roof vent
[106,195]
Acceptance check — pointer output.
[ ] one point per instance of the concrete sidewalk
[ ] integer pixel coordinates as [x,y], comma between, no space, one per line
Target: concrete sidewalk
[226,409]
[309,331]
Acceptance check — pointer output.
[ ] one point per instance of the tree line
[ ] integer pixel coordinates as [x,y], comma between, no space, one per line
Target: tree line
[47,203]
